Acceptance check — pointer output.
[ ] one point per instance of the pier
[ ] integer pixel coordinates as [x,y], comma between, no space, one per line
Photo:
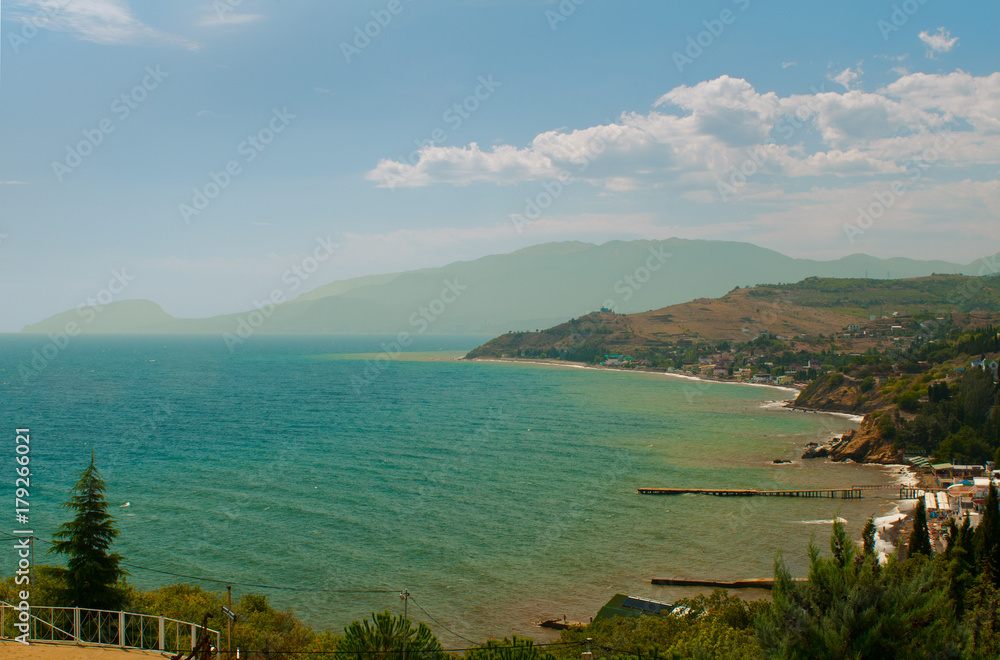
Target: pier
[851,493]
[842,493]
[756,583]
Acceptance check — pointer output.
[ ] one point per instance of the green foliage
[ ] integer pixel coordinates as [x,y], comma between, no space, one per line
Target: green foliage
[715,626]
[920,538]
[507,649]
[988,537]
[384,637]
[853,608]
[93,574]
[867,384]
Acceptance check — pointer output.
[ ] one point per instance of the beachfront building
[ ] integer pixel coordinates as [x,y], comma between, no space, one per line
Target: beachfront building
[948,474]
[612,360]
[761,377]
[784,379]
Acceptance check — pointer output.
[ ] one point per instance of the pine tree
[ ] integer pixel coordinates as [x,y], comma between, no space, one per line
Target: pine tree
[868,537]
[920,539]
[988,537]
[93,572]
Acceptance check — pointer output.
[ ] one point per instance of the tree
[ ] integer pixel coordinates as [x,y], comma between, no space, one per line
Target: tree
[387,635]
[920,539]
[852,608]
[988,537]
[868,537]
[93,573]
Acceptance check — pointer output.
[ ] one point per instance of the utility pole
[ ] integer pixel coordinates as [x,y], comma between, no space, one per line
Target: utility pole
[406,624]
[229,623]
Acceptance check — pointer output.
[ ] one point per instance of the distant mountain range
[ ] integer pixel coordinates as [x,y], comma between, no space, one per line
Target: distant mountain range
[536,287]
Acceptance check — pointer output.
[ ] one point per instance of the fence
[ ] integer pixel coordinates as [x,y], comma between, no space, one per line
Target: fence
[103,628]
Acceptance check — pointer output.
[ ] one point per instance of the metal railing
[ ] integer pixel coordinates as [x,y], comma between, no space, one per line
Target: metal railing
[127,630]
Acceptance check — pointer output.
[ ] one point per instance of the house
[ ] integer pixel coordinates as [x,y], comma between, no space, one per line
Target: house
[813,364]
[784,380]
[744,373]
[721,370]
[707,369]
[612,360]
[761,377]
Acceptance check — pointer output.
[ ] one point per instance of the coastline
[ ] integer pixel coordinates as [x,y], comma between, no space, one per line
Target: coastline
[890,527]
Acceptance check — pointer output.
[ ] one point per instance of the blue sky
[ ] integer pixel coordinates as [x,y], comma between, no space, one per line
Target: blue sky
[776,123]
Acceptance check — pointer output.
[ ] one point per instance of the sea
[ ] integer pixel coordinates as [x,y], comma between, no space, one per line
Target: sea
[332,473]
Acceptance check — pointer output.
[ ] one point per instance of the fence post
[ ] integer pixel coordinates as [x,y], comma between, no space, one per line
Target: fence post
[218,645]
[192,636]
[121,629]
[163,637]
[76,625]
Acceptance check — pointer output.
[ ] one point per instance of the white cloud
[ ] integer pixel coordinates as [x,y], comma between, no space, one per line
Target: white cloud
[785,65]
[222,13]
[13,183]
[108,22]
[939,42]
[847,77]
[697,139]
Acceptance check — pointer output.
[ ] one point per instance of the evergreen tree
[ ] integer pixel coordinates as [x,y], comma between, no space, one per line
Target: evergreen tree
[868,536]
[385,637]
[93,572]
[920,539]
[988,537]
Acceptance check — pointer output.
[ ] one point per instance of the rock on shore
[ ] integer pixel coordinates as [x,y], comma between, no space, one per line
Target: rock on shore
[865,445]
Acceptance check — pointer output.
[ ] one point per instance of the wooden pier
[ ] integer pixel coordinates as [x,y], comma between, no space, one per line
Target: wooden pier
[851,493]
[842,493]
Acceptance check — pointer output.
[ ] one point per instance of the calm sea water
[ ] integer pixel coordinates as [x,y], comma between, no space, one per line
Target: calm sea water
[499,494]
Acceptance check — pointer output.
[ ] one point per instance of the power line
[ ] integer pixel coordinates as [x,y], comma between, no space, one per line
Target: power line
[232,582]
[428,614]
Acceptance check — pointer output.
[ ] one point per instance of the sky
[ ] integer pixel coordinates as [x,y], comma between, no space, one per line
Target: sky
[191,152]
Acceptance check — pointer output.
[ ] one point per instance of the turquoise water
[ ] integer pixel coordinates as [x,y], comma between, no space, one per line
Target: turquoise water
[499,494]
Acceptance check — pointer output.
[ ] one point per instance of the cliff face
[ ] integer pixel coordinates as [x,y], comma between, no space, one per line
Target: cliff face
[839,393]
[866,445]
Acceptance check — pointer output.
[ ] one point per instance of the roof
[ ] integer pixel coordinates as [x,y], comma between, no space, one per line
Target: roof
[631,606]
[942,466]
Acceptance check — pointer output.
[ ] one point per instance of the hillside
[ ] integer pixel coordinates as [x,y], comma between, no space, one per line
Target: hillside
[804,317]
[533,288]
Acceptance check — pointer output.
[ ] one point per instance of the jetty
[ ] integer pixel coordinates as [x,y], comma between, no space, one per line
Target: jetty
[850,493]
[754,583]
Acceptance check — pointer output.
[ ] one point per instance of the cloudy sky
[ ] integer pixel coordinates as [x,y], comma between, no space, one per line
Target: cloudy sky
[196,150]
